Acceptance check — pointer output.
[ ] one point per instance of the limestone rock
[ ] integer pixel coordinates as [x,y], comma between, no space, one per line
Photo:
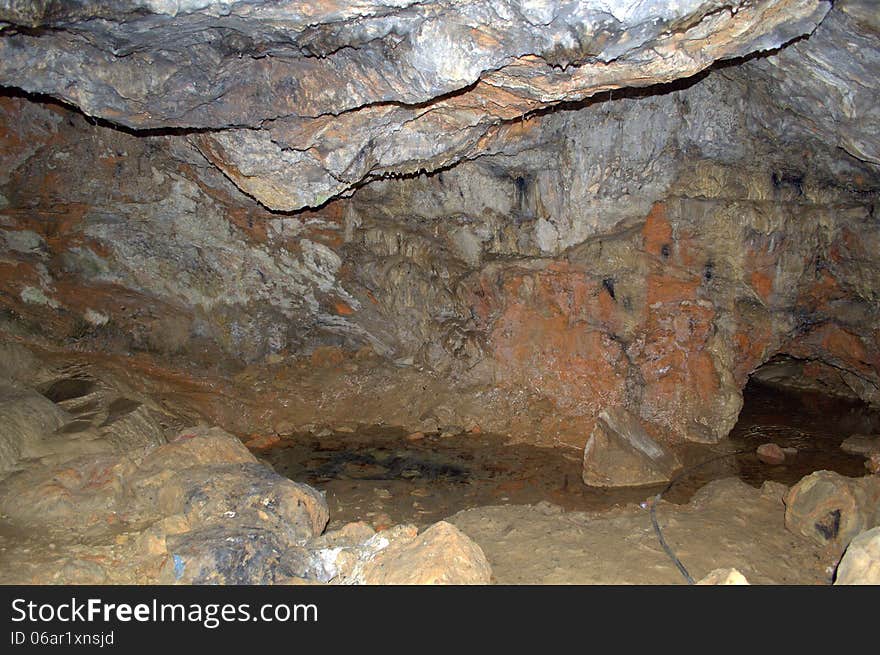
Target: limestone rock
[355,91]
[442,554]
[861,444]
[831,509]
[861,561]
[26,417]
[210,478]
[723,577]
[620,453]
[197,510]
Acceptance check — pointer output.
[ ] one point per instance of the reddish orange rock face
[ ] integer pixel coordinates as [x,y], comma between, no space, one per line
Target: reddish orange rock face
[549,339]
[657,232]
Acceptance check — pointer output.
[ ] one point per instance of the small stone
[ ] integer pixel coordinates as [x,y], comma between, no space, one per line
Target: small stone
[382,522]
[873,463]
[770,453]
[263,442]
[415,436]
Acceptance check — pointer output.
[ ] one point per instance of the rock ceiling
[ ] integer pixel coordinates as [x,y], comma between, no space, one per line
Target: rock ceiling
[300,102]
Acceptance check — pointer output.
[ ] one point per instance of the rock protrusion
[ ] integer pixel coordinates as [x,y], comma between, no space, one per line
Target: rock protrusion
[830,509]
[619,453]
[861,561]
[442,554]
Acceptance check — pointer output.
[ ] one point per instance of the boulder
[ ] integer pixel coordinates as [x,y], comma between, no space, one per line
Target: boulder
[619,453]
[26,417]
[861,561]
[198,510]
[209,477]
[442,554]
[234,554]
[861,444]
[830,509]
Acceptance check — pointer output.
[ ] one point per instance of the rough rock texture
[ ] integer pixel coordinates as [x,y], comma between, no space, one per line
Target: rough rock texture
[341,92]
[861,561]
[524,212]
[26,417]
[442,554]
[199,509]
[619,453]
[356,554]
[831,509]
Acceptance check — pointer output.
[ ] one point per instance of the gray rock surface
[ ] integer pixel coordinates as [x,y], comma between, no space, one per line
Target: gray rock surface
[339,93]
[861,561]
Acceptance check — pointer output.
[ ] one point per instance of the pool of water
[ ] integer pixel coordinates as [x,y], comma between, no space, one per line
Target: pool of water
[379,475]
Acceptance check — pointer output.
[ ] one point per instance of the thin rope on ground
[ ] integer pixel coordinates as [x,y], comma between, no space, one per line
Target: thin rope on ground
[687,471]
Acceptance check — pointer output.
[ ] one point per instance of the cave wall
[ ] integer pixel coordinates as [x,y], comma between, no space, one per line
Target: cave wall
[643,247]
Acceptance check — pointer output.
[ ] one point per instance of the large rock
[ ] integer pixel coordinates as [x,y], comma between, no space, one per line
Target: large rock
[200,510]
[210,478]
[861,444]
[831,509]
[619,453]
[861,561]
[442,554]
[26,418]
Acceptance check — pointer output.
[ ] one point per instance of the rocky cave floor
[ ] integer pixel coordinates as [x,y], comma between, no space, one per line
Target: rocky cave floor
[84,513]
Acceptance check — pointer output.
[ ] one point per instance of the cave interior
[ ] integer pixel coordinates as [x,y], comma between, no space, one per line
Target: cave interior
[462,274]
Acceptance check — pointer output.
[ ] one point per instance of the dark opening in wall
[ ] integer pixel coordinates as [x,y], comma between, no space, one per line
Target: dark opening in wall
[794,404]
